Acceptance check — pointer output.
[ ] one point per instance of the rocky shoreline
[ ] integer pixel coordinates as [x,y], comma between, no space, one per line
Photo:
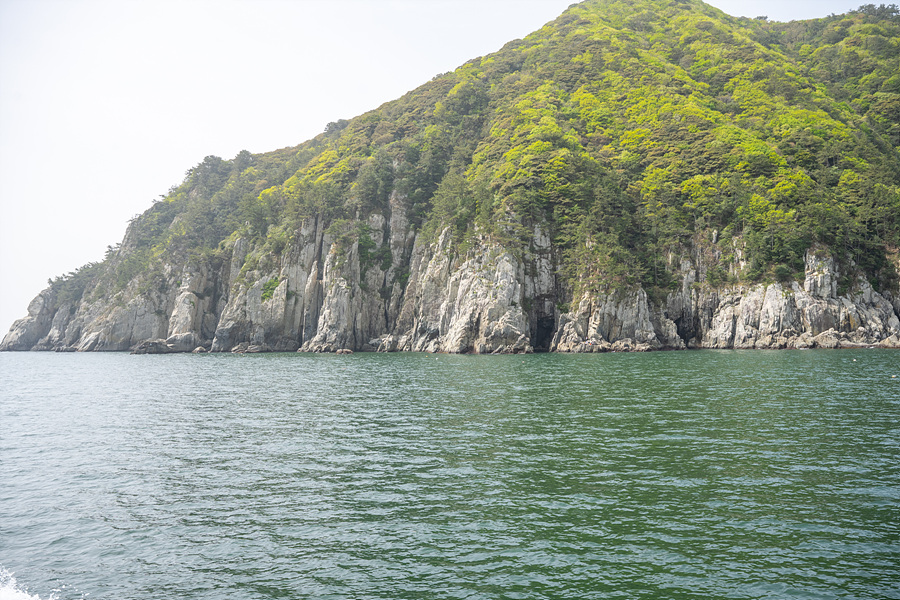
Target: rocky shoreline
[436,296]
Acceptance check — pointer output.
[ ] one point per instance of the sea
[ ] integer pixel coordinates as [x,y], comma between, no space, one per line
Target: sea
[664,475]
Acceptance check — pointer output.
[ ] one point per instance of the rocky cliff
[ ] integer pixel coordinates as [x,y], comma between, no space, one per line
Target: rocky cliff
[436,295]
[774,315]
[601,184]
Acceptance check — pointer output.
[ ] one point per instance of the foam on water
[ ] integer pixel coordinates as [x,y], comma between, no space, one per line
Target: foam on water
[10,590]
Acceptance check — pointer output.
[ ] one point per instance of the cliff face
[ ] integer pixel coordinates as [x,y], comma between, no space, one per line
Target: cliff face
[776,315]
[435,296]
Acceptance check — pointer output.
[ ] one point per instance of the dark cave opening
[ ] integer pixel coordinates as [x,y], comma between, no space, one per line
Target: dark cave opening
[543,334]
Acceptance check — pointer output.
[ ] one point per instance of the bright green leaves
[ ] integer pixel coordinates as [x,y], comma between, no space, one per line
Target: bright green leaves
[268,290]
[374,183]
[454,206]
[329,166]
[771,236]
[596,114]
[536,147]
[762,214]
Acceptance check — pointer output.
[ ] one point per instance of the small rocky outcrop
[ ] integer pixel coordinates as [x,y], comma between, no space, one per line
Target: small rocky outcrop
[472,304]
[153,347]
[28,332]
[619,321]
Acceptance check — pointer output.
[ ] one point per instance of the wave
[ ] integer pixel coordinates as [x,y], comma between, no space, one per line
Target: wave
[10,590]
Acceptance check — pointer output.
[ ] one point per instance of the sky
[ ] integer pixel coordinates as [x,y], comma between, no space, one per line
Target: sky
[105,104]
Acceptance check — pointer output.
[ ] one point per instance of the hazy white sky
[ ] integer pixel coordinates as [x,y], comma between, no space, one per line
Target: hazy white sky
[104,104]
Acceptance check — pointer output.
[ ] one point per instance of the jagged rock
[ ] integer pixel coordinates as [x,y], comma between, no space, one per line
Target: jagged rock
[27,332]
[318,296]
[182,342]
[827,339]
[628,345]
[199,350]
[623,317]
[473,306]
[803,341]
[344,351]
[890,342]
[158,346]
[821,276]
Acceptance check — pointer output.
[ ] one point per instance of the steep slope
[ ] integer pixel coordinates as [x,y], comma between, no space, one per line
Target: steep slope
[636,174]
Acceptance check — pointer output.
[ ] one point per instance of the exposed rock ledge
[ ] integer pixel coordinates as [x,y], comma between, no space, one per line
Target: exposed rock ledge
[772,316]
[434,297]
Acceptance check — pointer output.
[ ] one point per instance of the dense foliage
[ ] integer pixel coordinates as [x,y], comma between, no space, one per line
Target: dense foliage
[634,130]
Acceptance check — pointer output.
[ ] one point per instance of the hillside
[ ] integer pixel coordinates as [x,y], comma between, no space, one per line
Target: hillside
[636,174]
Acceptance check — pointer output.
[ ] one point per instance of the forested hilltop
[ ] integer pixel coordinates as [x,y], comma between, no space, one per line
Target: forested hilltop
[636,174]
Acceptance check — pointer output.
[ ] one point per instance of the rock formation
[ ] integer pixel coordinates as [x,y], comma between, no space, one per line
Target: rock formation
[434,296]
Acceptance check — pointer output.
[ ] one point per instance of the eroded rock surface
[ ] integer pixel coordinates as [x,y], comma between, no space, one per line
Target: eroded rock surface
[412,293]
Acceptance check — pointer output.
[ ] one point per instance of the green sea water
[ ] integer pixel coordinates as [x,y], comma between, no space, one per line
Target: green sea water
[708,474]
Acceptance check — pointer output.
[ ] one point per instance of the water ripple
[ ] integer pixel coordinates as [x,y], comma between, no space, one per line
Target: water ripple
[668,475]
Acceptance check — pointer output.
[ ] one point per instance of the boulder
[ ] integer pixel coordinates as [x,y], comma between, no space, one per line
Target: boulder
[158,346]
